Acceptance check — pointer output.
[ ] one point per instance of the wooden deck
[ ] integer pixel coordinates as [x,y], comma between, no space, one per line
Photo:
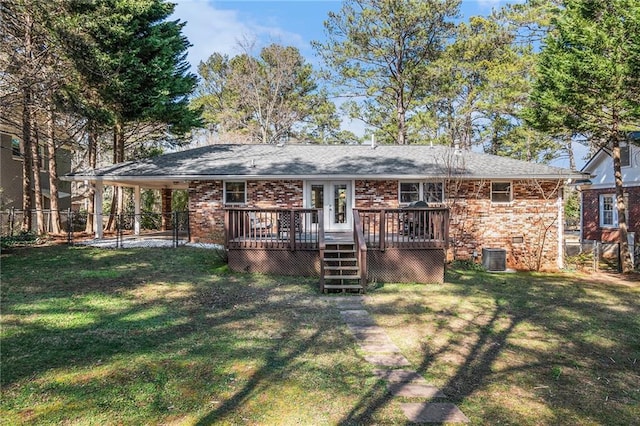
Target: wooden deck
[398,245]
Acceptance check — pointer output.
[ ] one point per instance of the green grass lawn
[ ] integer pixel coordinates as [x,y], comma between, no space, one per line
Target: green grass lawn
[167,336]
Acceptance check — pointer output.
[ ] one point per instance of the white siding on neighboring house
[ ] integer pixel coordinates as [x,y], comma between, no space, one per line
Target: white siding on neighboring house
[601,168]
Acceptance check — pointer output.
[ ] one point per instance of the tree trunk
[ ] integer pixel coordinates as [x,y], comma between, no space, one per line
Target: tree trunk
[118,157]
[27,112]
[623,241]
[568,146]
[92,151]
[402,122]
[37,184]
[53,172]
[27,169]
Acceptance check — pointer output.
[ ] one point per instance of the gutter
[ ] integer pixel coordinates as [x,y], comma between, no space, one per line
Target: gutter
[107,178]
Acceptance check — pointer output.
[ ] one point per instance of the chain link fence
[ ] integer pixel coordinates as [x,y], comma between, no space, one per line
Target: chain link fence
[597,255]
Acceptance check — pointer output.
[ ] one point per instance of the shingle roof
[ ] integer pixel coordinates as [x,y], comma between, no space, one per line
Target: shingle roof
[325,161]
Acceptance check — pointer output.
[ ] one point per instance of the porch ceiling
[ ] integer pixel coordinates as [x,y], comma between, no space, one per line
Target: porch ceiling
[145,183]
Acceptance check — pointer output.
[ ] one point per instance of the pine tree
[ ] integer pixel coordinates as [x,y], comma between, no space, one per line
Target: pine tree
[589,80]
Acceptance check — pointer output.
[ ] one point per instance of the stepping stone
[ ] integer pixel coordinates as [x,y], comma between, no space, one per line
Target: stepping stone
[355,312]
[358,317]
[400,376]
[379,347]
[411,390]
[370,328]
[373,339]
[433,412]
[391,360]
[349,304]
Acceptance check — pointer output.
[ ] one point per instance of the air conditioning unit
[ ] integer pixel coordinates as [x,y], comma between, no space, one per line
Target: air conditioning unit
[494,259]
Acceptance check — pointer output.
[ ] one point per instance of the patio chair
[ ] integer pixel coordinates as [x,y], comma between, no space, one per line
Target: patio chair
[412,222]
[284,223]
[259,224]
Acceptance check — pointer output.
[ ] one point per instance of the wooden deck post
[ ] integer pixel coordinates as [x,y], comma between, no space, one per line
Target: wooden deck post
[292,230]
[383,229]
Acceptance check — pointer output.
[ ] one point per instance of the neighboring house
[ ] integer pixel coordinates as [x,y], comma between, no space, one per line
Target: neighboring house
[11,174]
[599,211]
[248,196]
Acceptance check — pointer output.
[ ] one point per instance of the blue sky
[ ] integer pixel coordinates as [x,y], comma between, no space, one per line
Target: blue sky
[218,26]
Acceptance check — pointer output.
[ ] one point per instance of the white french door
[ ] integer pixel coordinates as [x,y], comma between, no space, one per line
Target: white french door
[335,198]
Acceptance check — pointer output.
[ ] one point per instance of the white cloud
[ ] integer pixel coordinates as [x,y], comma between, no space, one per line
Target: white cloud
[210,29]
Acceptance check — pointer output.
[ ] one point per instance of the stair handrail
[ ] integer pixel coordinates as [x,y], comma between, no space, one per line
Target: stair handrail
[321,247]
[361,248]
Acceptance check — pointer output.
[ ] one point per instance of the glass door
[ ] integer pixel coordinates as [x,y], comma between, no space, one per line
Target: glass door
[335,199]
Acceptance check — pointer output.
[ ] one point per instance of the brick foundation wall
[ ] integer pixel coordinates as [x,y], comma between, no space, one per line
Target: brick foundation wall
[591,229]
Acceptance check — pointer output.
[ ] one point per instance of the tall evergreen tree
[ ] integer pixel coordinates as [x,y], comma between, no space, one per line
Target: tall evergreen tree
[378,52]
[135,60]
[589,80]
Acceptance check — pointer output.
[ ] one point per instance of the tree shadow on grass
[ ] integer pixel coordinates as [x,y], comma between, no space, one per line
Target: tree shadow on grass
[58,320]
[281,355]
[595,333]
[576,315]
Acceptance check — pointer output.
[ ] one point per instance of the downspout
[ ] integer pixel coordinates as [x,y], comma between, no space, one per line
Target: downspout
[581,217]
[560,261]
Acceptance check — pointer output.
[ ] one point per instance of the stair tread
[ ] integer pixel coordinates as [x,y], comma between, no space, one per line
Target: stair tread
[340,286]
[342,268]
[342,277]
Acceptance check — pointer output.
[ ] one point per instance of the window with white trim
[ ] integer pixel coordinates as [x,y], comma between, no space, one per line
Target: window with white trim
[409,192]
[433,192]
[609,210]
[501,192]
[429,192]
[235,192]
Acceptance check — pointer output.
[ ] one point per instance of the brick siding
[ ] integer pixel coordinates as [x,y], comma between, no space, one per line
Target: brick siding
[591,229]
[527,227]
[206,204]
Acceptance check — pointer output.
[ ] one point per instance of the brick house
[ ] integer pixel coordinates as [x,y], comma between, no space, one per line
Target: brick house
[599,213]
[487,202]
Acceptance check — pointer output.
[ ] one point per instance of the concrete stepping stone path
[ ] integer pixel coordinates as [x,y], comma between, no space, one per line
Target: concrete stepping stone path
[379,350]
[433,412]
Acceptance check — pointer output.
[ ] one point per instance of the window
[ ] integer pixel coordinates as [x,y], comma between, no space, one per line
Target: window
[235,192]
[409,192]
[429,192]
[609,210]
[625,156]
[433,192]
[501,192]
[15,147]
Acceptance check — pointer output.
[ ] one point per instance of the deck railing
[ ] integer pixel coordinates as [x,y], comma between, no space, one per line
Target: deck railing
[405,228]
[361,248]
[285,229]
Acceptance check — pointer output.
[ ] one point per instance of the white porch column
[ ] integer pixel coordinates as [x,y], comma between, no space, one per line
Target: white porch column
[97,222]
[136,210]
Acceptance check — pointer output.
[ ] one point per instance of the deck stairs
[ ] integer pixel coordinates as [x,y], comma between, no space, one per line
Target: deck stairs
[341,269]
